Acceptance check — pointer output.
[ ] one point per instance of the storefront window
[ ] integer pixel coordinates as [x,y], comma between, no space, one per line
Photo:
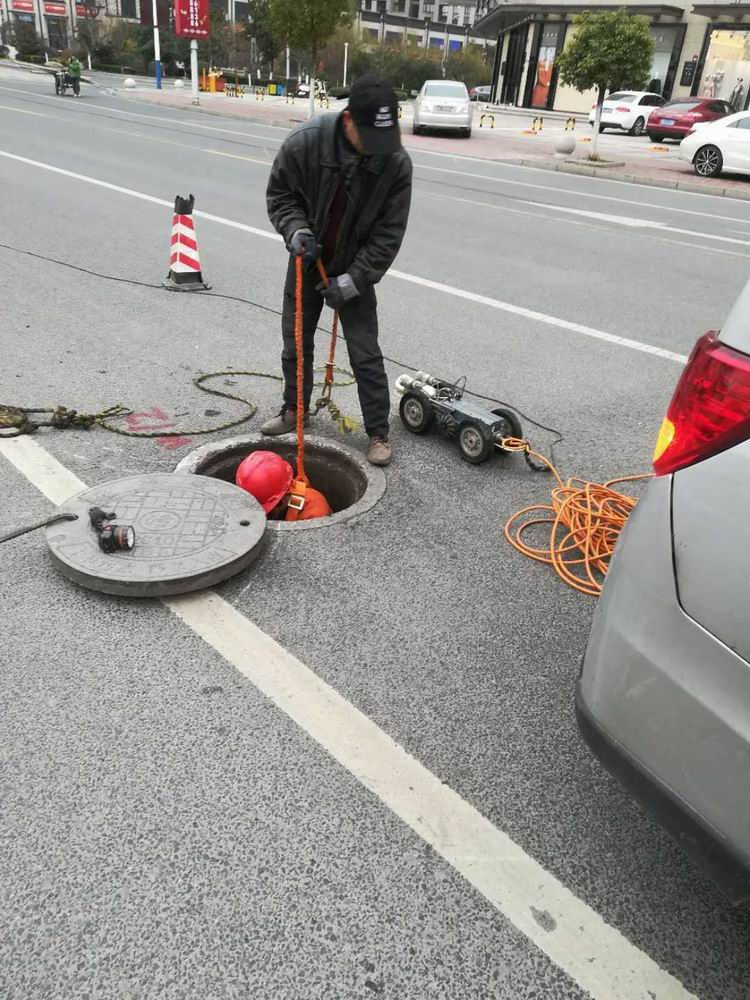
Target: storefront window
[550,43]
[726,74]
[665,37]
[57,33]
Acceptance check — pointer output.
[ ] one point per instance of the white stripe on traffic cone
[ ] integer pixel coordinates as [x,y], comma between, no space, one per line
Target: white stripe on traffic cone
[184,260]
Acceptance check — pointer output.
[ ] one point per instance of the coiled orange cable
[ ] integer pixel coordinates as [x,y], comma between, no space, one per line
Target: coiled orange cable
[585,520]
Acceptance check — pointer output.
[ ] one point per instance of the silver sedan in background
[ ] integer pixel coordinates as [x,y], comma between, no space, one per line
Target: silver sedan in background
[664,694]
[443,104]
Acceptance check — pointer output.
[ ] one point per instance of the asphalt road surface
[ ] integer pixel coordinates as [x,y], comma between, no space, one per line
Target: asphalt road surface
[354,771]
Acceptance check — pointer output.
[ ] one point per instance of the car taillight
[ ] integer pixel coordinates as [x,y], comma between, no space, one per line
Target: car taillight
[623,110]
[710,409]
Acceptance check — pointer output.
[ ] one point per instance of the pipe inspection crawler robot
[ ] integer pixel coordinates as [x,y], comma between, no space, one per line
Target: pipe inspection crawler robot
[427,401]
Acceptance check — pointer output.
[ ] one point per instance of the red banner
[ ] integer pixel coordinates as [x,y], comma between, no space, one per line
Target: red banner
[191,18]
[26,6]
[55,9]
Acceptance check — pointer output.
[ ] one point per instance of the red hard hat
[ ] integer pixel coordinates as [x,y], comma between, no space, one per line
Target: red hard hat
[266,476]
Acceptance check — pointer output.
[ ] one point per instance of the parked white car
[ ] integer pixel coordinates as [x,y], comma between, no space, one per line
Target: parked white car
[443,104]
[721,145]
[627,110]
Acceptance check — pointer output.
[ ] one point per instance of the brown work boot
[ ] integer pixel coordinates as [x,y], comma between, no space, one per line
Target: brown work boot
[380,451]
[284,422]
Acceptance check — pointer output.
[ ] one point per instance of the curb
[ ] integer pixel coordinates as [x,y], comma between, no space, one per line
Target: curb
[642,179]
[287,123]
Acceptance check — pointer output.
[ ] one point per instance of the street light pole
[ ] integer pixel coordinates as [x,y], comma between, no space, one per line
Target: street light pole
[194,69]
[346,60]
[157,46]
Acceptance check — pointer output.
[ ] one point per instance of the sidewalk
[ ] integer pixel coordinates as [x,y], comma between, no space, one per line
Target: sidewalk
[635,160]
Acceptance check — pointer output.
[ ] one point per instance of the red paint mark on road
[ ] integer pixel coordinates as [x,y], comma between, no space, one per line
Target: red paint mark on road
[171,443]
[154,419]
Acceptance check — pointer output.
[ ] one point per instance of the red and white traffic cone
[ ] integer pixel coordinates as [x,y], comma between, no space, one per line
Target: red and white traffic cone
[184,261]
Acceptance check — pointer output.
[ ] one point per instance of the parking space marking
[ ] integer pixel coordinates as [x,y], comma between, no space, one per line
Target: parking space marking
[593,953]
[461,293]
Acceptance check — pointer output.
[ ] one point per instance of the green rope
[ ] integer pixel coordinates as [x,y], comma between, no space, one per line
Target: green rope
[17,420]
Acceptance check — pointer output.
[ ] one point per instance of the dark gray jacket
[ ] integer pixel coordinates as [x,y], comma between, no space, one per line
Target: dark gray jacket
[304,179]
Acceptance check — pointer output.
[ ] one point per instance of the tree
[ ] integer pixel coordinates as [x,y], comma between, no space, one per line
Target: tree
[308,24]
[24,37]
[611,50]
[262,30]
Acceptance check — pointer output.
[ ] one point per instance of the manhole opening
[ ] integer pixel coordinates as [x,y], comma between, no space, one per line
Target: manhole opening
[350,485]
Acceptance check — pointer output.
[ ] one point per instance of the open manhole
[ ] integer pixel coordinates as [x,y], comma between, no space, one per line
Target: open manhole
[351,485]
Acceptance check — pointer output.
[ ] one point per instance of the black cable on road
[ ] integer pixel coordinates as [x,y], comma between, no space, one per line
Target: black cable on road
[558,436]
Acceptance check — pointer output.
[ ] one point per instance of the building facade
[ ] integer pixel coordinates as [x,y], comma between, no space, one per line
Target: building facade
[702,49]
[56,21]
[421,23]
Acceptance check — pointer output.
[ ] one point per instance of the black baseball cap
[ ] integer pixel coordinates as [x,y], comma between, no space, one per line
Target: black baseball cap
[374,109]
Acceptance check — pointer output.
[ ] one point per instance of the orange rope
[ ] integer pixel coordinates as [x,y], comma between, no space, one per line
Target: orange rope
[298,340]
[585,520]
[328,380]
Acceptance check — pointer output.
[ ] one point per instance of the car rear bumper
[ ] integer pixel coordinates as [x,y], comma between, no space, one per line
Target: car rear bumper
[609,123]
[434,119]
[669,131]
[653,702]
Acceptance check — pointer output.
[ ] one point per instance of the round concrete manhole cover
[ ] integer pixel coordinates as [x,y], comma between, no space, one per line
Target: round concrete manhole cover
[191,532]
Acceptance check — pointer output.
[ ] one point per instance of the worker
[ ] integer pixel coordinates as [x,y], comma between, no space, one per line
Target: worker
[340,190]
[270,479]
[73,71]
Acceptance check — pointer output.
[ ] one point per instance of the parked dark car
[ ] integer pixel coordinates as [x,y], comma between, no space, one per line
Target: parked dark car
[676,118]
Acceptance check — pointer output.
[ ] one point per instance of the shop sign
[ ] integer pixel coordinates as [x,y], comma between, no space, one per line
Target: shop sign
[55,9]
[24,5]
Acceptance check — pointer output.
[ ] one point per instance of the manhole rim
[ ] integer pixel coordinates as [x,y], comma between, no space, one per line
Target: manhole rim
[373,475]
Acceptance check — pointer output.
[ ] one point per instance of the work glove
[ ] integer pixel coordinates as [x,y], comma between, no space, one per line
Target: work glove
[339,291]
[303,244]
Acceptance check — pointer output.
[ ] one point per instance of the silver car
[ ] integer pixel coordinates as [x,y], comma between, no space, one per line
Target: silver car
[443,104]
[664,694]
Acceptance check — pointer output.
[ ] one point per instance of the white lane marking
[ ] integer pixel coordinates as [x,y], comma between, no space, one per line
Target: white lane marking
[460,293]
[82,109]
[139,194]
[594,954]
[587,331]
[626,220]
[22,111]
[623,220]
[575,222]
[588,194]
